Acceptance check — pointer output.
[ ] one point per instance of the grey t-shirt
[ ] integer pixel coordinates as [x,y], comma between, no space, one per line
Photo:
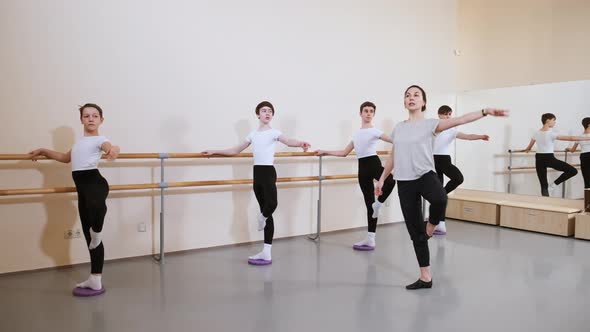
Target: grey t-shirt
[412,149]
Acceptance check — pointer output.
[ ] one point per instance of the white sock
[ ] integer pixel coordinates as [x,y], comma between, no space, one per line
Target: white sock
[441,226]
[93,282]
[369,241]
[264,254]
[376,207]
[261,221]
[95,239]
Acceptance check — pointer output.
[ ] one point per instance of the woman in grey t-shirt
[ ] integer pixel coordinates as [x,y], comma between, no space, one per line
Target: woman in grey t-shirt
[415,174]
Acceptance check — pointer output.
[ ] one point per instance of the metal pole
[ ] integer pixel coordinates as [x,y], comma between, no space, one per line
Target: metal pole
[163,185]
[509,171]
[319,216]
[563,184]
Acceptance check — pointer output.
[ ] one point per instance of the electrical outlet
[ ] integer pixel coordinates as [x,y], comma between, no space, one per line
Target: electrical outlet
[72,234]
[68,234]
[141,227]
[77,233]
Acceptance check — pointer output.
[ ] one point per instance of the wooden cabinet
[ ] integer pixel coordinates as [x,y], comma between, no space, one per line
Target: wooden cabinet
[582,226]
[537,220]
[481,212]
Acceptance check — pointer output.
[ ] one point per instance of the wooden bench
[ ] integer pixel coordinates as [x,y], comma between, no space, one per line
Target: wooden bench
[540,214]
[475,205]
[533,213]
[582,230]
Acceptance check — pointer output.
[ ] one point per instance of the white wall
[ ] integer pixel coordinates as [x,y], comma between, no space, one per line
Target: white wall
[529,56]
[182,76]
[522,42]
[484,164]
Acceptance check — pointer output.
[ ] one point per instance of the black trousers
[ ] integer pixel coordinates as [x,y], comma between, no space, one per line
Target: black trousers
[370,169]
[548,160]
[92,191]
[443,166]
[410,198]
[585,165]
[265,190]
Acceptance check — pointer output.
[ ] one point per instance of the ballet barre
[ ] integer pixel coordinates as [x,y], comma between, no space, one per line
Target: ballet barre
[14,157]
[162,185]
[183,184]
[532,167]
[522,168]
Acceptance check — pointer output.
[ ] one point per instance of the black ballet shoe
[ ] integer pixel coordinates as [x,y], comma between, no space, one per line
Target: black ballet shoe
[420,284]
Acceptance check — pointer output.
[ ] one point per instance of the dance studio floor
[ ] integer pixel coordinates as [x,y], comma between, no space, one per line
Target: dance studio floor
[486,278]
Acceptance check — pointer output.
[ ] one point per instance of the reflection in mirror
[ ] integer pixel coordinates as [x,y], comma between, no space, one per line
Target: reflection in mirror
[529,154]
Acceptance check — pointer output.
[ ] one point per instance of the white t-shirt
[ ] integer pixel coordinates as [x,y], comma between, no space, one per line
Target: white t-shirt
[585,145]
[365,142]
[545,141]
[412,148]
[86,152]
[444,141]
[263,145]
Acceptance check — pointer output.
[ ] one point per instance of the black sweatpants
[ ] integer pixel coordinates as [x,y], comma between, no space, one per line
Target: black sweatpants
[265,190]
[585,165]
[444,166]
[92,190]
[410,198]
[546,160]
[370,169]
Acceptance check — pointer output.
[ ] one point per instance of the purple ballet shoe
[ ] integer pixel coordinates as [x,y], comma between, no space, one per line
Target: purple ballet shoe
[259,261]
[363,247]
[87,292]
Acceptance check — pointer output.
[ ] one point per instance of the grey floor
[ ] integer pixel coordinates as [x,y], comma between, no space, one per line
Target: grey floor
[486,278]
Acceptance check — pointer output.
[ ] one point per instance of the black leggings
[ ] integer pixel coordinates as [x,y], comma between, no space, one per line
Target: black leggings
[370,169]
[265,190]
[585,165]
[443,166]
[410,198]
[546,160]
[92,190]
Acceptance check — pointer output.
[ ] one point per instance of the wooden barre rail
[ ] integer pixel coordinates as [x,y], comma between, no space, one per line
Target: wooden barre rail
[530,167]
[139,186]
[13,157]
[533,152]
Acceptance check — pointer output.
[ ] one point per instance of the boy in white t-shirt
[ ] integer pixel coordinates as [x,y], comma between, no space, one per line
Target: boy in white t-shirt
[364,142]
[442,157]
[91,187]
[585,155]
[263,141]
[544,158]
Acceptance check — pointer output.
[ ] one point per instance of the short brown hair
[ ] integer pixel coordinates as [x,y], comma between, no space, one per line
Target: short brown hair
[81,109]
[264,104]
[367,104]
[547,116]
[445,109]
